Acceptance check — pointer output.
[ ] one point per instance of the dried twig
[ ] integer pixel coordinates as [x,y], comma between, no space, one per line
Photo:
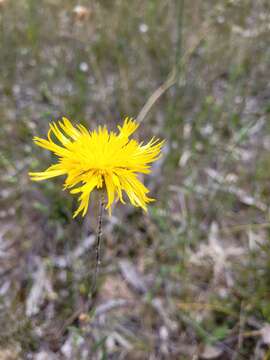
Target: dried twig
[110,305]
[240,334]
[171,79]
[132,276]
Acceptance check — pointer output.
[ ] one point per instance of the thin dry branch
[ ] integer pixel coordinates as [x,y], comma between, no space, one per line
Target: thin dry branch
[171,79]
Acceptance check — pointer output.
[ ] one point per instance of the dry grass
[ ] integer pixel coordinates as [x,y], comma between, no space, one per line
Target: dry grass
[189,280]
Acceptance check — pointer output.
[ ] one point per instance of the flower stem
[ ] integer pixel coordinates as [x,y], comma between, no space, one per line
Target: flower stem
[98,242]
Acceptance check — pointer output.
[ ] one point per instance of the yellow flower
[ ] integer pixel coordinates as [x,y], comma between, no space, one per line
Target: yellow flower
[100,159]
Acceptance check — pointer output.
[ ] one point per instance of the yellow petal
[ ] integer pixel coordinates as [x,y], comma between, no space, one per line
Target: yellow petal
[100,159]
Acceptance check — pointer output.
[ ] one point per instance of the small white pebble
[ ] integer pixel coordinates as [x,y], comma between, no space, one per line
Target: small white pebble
[220,19]
[84,67]
[143,28]
[163,333]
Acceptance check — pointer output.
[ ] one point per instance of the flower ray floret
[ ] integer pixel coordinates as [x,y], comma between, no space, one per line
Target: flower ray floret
[99,159]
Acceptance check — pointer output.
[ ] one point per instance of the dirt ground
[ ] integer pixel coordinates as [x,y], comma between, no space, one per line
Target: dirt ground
[188,280]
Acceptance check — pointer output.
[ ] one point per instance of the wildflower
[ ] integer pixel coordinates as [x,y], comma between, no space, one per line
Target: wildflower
[100,159]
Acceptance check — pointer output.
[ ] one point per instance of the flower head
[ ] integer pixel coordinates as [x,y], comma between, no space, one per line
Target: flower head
[99,159]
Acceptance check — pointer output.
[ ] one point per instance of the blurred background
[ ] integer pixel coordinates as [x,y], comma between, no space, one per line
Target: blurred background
[191,278]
